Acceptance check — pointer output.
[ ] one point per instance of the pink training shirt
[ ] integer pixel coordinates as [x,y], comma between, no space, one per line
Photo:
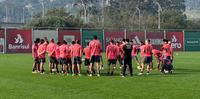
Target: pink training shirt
[62,50]
[121,51]
[95,47]
[34,50]
[134,50]
[117,50]
[87,52]
[148,50]
[41,50]
[111,52]
[76,50]
[167,50]
[68,51]
[51,48]
[156,52]
[142,50]
[57,52]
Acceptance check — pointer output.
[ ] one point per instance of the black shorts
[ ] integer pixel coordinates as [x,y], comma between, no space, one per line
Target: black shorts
[42,60]
[36,60]
[111,62]
[87,62]
[95,58]
[146,59]
[76,60]
[52,60]
[62,61]
[68,61]
[57,61]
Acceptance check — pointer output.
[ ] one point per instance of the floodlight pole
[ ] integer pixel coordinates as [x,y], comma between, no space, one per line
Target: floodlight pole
[102,3]
[139,16]
[85,11]
[159,12]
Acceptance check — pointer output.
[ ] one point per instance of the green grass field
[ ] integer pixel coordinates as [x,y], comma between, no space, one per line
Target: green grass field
[17,81]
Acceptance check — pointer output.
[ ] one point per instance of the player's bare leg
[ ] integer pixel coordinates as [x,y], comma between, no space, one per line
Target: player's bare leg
[34,68]
[148,68]
[38,67]
[113,69]
[42,68]
[79,69]
[137,61]
[98,69]
[56,66]
[90,69]
[142,69]
[73,69]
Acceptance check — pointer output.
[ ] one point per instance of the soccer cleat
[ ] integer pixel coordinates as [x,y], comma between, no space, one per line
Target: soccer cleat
[90,75]
[98,75]
[79,74]
[34,72]
[72,74]
[42,73]
[53,70]
[123,76]
[140,74]
[147,73]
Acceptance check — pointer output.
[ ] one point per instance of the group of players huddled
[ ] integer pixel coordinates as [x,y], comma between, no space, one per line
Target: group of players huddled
[69,56]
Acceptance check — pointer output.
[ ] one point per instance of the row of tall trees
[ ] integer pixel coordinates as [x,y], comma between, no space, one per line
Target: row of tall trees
[133,14]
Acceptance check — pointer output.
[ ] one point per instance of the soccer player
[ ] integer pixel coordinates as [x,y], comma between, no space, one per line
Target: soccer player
[134,53]
[172,51]
[158,55]
[86,51]
[111,56]
[57,56]
[41,54]
[142,54]
[167,54]
[69,58]
[146,60]
[76,53]
[51,48]
[127,48]
[62,50]
[35,68]
[119,53]
[95,47]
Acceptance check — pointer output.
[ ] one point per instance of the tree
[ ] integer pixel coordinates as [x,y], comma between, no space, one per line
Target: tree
[56,18]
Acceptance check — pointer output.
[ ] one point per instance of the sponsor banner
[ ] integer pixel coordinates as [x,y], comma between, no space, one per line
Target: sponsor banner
[192,41]
[88,34]
[177,40]
[45,33]
[18,41]
[69,35]
[116,36]
[136,37]
[2,40]
[156,39]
